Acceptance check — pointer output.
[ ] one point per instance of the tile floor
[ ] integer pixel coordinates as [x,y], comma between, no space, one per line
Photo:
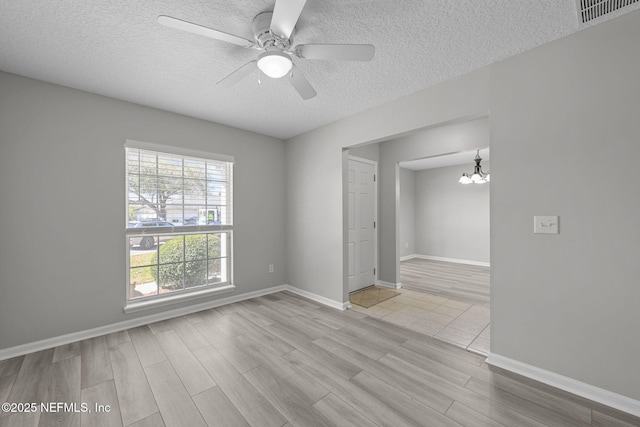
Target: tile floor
[463,324]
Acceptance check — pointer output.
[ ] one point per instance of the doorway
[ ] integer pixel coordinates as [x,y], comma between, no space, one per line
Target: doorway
[444,313]
[444,250]
[362,217]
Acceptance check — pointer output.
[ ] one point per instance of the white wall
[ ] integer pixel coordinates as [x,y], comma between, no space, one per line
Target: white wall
[565,303]
[62,204]
[451,219]
[407,215]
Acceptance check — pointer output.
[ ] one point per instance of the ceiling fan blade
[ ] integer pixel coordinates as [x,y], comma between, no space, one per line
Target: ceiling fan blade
[190,27]
[285,16]
[301,84]
[238,74]
[347,52]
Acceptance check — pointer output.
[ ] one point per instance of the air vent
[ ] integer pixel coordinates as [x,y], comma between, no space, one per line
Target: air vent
[592,9]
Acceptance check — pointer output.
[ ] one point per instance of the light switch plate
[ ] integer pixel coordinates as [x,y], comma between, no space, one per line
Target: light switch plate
[545,225]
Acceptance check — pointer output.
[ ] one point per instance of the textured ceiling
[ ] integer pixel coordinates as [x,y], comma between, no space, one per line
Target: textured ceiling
[116,48]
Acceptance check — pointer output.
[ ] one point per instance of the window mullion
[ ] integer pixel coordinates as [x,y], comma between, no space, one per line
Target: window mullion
[206,189]
[158,267]
[183,191]
[184,262]
[157,192]
[207,260]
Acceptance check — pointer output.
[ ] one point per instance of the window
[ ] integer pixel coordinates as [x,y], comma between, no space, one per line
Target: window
[179,222]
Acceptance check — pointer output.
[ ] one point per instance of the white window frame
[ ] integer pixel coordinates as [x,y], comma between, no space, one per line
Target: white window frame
[153,301]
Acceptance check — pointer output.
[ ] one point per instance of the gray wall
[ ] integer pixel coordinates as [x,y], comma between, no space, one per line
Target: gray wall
[407,212]
[315,164]
[569,302]
[451,219]
[368,151]
[62,209]
[450,138]
[566,303]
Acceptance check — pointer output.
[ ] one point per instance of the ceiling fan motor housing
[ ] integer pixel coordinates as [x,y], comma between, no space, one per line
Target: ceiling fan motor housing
[261,27]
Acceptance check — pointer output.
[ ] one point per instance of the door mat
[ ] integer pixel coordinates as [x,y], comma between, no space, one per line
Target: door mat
[371,296]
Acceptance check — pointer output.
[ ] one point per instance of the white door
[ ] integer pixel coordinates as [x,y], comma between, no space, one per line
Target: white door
[362,199]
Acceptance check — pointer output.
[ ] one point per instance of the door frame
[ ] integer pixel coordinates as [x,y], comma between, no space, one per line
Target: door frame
[374,163]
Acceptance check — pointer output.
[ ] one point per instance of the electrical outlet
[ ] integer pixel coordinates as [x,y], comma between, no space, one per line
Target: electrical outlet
[271,268]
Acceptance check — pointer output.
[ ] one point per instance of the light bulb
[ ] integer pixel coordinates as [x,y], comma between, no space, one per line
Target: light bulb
[464,179]
[274,64]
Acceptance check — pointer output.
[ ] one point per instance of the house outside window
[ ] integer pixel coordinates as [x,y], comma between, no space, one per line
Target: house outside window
[179,224]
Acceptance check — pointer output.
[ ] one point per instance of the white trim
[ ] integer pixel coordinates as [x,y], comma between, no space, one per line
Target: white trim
[134,306]
[179,151]
[457,261]
[363,160]
[179,230]
[408,257]
[19,350]
[318,298]
[579,388]
[389,284]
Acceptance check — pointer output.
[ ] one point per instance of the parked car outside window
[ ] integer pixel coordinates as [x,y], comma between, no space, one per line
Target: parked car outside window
[191,220]
[148,242]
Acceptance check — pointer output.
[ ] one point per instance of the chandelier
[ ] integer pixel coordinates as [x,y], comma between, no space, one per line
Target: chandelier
[478,176]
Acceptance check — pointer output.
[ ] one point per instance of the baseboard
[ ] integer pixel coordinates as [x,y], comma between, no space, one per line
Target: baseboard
[318,298]
[389,284]
[44,344]
[408,257]
[579,388]
[457,261]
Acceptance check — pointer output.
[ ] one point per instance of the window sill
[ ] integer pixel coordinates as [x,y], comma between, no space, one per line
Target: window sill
[136,306]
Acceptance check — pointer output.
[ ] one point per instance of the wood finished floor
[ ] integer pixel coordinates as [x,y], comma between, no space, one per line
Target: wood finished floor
[462,282]
[282,360]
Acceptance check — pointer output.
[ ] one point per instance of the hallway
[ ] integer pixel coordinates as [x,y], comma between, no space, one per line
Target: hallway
[444,300]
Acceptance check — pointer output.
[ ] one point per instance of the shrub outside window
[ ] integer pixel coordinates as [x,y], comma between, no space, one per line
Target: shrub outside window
[179,221]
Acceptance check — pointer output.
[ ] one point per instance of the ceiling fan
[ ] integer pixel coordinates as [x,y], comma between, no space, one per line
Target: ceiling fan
[273,32]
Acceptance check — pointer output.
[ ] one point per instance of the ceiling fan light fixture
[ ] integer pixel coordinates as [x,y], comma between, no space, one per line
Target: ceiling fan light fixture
[275,64]
[273,32]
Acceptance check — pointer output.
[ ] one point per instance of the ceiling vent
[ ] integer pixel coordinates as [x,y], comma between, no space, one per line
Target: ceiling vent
[592,9]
